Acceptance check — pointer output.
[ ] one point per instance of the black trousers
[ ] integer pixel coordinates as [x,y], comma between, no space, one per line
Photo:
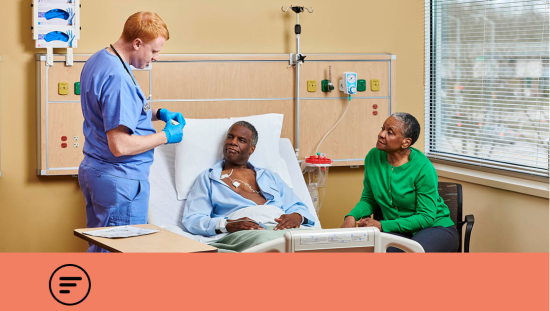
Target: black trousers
[433,240]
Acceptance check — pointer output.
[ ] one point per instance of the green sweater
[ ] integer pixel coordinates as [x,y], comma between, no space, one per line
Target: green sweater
[407,194]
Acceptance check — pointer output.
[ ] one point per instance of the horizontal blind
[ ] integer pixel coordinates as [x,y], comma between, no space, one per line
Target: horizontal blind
[487,83]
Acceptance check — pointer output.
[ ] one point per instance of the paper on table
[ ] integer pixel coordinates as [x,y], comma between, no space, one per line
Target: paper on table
[120,232]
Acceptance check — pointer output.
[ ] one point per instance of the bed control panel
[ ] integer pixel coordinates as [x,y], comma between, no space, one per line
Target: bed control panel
[317,240]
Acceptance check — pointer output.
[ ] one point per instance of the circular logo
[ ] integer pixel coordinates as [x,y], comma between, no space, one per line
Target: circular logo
[70,285]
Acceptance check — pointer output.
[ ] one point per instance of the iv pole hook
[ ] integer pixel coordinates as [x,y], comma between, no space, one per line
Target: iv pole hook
[298,9]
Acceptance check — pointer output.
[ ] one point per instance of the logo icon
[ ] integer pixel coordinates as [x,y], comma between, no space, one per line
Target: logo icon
[70,285]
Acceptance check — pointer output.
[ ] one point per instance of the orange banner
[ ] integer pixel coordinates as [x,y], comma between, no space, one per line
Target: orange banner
[274,281]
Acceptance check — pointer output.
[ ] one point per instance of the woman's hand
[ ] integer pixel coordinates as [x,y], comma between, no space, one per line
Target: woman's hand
[369,222]
[349,222]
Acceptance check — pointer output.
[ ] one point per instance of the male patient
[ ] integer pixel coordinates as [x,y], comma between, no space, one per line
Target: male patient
[235,185]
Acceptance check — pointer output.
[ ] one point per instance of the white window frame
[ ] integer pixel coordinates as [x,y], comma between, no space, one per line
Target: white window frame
[449,162]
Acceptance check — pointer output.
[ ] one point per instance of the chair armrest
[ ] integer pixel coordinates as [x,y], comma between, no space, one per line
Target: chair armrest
[469,225]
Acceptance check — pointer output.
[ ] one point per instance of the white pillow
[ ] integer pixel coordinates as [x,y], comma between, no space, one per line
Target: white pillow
[199,150]
[202,146]
[267,153]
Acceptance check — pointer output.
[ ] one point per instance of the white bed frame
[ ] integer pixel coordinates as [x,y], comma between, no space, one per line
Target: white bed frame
[166,211]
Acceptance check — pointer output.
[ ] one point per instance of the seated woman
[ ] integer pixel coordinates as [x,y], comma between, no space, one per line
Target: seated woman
[402,182]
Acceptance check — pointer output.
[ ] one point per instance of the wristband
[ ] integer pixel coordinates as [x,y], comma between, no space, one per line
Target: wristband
[220,225]
[158,113]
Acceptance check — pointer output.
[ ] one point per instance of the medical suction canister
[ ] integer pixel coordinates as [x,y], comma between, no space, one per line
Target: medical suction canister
[316,167]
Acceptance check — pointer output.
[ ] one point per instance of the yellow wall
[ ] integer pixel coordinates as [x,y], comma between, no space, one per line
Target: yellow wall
[38,214]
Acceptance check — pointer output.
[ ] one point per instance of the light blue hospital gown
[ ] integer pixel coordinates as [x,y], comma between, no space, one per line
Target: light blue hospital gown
[116,189]
[211,199]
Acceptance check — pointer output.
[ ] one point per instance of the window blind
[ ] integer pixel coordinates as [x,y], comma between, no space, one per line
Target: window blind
[487,83]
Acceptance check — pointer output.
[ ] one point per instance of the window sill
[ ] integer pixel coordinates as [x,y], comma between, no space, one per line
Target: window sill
[529,187]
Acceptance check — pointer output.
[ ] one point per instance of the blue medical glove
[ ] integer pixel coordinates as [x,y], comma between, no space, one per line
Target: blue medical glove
[71,16]
[174,133]
[167,115]
[71,38]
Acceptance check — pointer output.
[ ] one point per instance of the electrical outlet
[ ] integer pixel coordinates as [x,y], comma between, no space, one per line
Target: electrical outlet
[76,145]
[361,85]
[63,88]
[77,88]
[375,85]
[311,85]
[76,137]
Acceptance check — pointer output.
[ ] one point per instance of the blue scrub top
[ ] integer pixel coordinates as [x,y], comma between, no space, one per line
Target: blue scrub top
[109,98]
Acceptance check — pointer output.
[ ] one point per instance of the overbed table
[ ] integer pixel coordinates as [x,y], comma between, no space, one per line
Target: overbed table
[160,242]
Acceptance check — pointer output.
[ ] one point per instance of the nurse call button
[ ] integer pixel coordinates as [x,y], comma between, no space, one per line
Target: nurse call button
[70,285]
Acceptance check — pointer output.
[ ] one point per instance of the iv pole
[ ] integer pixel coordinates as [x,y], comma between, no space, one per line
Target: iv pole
[296,60]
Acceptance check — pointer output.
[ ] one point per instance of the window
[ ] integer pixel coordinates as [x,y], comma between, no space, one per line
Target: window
[487,100]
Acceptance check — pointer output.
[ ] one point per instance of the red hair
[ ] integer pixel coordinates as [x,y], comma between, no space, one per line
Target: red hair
[146,26]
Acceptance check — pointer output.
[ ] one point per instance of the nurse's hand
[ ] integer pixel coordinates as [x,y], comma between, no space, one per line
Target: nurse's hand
[167,115]
[174,133]
[240,224]
[288,221]
[349,222]
[369,222]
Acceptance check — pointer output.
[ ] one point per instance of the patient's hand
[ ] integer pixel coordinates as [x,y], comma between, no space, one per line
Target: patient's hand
[244,223]
[287,221]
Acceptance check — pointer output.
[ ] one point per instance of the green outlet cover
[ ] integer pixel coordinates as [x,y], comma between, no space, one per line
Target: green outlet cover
[77,88]
[361,85]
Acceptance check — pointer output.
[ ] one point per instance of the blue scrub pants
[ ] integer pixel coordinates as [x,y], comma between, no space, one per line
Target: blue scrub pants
[433,240]
[111,200]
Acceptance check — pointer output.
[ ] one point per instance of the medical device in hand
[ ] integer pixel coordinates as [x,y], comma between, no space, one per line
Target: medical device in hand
[174,122]
[348,84]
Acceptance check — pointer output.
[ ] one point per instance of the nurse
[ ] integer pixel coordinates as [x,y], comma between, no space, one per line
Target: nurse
[118,127]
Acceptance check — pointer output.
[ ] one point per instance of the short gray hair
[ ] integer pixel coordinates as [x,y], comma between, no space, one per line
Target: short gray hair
[411,127]
[254,138]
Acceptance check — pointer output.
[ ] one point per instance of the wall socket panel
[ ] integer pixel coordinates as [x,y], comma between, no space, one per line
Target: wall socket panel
[311,85]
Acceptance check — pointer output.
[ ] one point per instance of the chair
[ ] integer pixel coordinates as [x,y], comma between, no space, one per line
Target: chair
[452,196]
[451,193]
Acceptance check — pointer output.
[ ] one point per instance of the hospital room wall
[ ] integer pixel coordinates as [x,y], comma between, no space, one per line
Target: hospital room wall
[38,214]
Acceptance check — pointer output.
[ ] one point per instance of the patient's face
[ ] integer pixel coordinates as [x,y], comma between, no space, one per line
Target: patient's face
[237,148]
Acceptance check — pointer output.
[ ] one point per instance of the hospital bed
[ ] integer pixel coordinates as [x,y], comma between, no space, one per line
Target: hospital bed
[166,211]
